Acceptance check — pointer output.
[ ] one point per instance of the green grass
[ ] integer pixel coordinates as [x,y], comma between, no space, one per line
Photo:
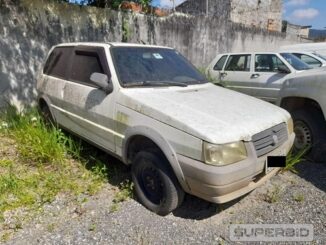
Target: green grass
[298,197]
[125,192]
[38,162]
[293,159]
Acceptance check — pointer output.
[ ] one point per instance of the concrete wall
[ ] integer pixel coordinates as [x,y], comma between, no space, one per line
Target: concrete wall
[28,28]
[265,14]
[221,8]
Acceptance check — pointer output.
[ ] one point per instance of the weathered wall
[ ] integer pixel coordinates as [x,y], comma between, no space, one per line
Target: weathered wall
[28,28]
[265,14]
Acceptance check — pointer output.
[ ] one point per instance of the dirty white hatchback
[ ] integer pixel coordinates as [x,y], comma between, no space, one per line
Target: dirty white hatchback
[148,106]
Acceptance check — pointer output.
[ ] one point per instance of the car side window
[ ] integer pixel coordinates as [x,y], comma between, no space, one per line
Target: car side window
[238,63]
[308,60]
[220,63]
[84,64]
[58,62]
[268,63]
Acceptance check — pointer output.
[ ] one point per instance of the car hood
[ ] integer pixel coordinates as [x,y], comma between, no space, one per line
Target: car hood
[312,82]
[211,113]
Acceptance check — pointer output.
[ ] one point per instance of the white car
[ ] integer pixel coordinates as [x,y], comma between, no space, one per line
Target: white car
[149,107]
[259,74]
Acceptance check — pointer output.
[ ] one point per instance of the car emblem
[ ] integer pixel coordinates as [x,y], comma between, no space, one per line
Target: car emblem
[275,140]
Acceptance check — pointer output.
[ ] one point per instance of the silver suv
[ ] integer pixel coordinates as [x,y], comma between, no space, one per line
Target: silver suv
[281,78]
[149,107]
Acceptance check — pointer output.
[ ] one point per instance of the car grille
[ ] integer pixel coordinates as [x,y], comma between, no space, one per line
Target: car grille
[270,139]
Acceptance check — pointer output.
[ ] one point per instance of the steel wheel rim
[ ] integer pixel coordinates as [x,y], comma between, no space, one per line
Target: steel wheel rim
[151,184]
[303,134]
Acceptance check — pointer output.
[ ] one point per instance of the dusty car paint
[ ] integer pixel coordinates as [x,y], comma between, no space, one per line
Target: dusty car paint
[177,119]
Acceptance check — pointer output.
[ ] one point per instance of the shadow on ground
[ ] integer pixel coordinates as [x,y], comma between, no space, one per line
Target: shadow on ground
[315,173]
[199,209]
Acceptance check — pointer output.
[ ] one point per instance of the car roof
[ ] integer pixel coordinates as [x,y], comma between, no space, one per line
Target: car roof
[253,52]
[111,44]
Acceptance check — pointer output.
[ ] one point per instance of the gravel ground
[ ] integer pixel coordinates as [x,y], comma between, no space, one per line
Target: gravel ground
[286,199]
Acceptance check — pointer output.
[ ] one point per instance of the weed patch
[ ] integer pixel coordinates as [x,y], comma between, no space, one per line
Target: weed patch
[293,159]
[298,197]
[273,195]
[125,192]
[38,162]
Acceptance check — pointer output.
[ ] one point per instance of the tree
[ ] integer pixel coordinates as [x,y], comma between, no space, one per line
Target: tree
[115,3]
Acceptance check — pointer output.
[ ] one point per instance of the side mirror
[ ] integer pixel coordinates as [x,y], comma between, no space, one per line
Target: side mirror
[102,80]
[283,69]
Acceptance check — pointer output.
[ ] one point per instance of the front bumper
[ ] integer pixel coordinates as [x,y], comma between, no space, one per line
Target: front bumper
[223,184]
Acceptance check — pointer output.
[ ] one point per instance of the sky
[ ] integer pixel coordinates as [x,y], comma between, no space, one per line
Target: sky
[301,12]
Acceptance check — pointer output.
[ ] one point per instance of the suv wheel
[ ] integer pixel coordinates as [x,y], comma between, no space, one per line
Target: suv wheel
[155,184]
[310,131]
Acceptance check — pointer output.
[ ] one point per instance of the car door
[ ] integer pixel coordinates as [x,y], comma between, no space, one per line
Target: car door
[236,73]
[268,76]
[88,109]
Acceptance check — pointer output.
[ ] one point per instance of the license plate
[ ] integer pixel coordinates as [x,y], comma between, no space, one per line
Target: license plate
[274,162]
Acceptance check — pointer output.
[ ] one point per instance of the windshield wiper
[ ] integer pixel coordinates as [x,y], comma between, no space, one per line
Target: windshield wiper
[155,84]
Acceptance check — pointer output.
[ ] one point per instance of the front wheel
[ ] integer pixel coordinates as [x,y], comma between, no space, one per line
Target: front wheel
[155,183]
[310,130]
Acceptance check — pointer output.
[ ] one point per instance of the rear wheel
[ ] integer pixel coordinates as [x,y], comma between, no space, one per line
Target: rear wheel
[46,114]
[155,183]
[310,130]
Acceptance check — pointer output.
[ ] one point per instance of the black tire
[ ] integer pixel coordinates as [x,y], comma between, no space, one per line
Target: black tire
[155,183]
[310,130]
[46,114]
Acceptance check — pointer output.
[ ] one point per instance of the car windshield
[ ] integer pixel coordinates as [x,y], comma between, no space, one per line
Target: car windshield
[142,66]
[320,56]
[295,62]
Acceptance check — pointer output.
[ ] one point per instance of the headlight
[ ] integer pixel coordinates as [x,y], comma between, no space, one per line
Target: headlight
[290,125]
[220,155]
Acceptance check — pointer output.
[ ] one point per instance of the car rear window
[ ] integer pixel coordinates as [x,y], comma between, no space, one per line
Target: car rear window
[58,61]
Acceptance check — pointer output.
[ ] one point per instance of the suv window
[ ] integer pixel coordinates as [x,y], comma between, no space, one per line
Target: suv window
[268,63]
[295,62]
[308,60]
[58,62]
[238,63]
[220,63]
[84,64]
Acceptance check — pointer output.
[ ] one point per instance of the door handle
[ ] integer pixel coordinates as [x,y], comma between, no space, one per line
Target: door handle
[223,74]
[254,75]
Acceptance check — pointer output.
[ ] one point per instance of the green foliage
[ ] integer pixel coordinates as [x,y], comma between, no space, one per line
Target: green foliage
[298,197]
[114,3]
[37,143]
[294,158]
[210,78]
[125,31]
[273,195]
[42,163]
[125,192]
[145,3]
